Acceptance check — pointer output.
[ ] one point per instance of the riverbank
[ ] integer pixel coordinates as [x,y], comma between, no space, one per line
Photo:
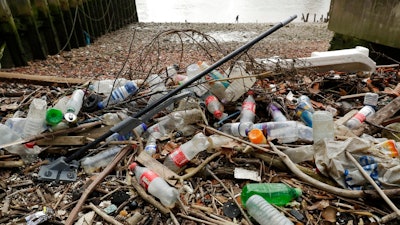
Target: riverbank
[129,48]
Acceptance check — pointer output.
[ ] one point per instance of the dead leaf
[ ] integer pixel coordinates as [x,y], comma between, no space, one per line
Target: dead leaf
[329,214]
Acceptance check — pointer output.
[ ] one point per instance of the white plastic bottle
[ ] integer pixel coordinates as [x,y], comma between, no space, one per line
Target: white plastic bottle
[36,118]
[155,185]
[198,88]
[214,106]
[119,94]
[238,87]
[286,131]
[322,126]
[237,129]
[359,118]
[74,105]
[276,114]
[264,213]
[92,164]
[248,112]
[187,151]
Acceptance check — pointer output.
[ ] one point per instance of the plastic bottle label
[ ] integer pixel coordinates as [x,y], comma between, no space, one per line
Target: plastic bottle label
[251,106]
[360,117]
[210,99]
[146,178]
[178,157]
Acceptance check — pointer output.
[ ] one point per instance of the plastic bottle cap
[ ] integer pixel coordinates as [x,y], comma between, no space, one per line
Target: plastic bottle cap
[256,136]
[30,144]
[250,92]
[132,166]
[218,114]
[54,116]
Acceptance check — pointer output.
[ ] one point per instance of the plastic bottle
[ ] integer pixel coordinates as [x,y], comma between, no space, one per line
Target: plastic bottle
[256,136]
[28,151]
[237,129]
[119,94]
[158,89]
[304,110]
[106,86]
[151,144]
[217,141]
[275,113]
[214,74]
[155,185]
[139,130]
[278,194]
[92,164]
[214,106]
[359,118]
[164,126]
[16,124]
[248,112]
[264,213]
[187,151]
[198,88]
[238,87]
[286,131]
[322,126]
[55,114]
[74,105]
[36,118]
[371,99]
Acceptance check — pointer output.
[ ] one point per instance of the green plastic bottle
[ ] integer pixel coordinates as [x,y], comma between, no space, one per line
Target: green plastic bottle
[275,193]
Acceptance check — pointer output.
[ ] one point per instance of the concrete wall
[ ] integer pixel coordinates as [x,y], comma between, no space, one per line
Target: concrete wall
[376,21]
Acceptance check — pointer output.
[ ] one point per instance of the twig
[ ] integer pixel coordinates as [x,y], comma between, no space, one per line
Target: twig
[99,178]
[372,182]
[61,197]
[231,194]
[104,215]
[195,219]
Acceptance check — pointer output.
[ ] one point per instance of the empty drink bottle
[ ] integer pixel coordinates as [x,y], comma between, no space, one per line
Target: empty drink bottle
[275,193]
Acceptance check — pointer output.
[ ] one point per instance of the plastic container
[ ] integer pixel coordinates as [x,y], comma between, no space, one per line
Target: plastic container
[36,118]
[214,106]
[358,119]
[371,99]
[323,126]
[187,151]
[214,74]
[256,136]
[199,89]
[217,141]
[238,87]
[304,110]
[74,105]
[165,126]
[158,90]
[28,152]
[151,145]
[278,194]
[264,213]
[119,94]
[248,112]
[139,130]
[16,124]
[155,185]
[275,113]
[106,86]
[94,163]
[286,131]
[237,129]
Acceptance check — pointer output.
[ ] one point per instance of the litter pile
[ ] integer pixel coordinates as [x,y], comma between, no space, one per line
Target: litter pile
[266,141]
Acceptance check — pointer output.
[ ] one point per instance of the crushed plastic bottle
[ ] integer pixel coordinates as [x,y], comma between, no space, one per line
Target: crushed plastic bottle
[155,185]
[264,213]
[40,217]
[304,110]
[187,151]
[286,131]
[151,144]
[214,106]
[276,113]
[74,106]
[278,194]
[238,87]
[36,118]
[107,86]
[92,164]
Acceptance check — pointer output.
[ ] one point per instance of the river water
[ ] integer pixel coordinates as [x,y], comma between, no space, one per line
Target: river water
[225,11]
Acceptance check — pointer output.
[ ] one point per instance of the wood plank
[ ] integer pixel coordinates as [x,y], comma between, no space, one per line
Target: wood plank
[63,141]
[39,79]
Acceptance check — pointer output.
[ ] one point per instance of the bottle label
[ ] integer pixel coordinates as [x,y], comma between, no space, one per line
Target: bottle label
[360,117]
[178,157]
[146,178]
[250,106]
[210,99]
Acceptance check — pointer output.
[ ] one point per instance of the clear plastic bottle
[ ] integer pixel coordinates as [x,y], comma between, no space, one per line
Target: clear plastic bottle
[358,119]
[198,88]
[165,126]
[36,118]
[217,141]
[304,110]
[214,106]
[275,113]
[92,164]
[238,87]
[151,144]
[248,112]
[74,105]
[278,194]
[155,185]
[158,89]
[323,126]
[264,213]
[187,151]
[214,74]
[237,129]
[139,130]
[119,94]
[286,131]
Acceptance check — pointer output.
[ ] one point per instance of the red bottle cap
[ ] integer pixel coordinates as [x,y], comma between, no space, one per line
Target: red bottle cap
[250,92]
[30,144]
[132,166]
[217,114]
